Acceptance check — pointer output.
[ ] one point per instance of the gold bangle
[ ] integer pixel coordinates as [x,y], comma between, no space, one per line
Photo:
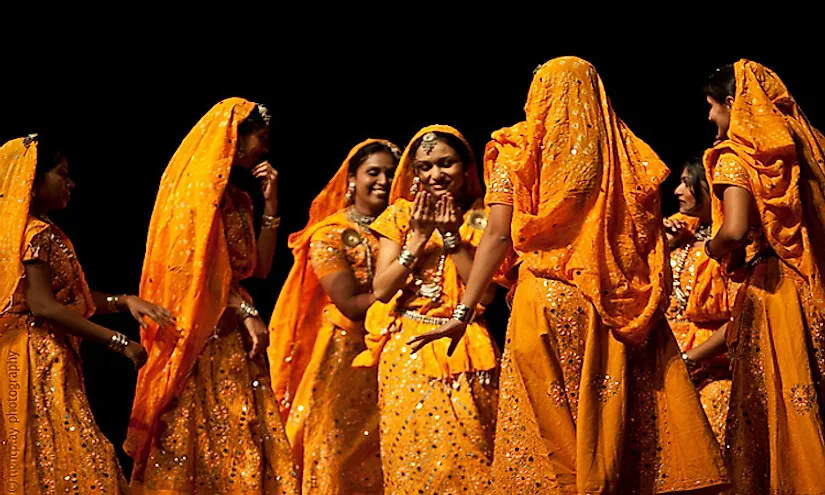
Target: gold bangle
[113,303]
[270,222]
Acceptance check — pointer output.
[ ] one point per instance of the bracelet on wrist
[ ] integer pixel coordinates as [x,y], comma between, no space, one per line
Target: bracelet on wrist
[270,222]
[709,254]
[451,241]
[406,258]
[113,303]
[246,310]
[462,313]
[118,342]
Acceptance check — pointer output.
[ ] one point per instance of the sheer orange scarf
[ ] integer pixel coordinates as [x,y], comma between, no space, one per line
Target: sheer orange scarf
[784,156]
[298,313]
[18,161]
[586,203]
[186,267]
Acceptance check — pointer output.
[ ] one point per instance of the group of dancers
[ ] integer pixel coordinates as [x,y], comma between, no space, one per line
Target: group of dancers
[643,354]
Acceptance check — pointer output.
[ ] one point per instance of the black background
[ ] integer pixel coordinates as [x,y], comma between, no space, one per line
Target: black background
[125,99]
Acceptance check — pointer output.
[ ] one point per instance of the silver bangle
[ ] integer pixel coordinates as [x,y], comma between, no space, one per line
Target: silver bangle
[462,313]
[406,258]
[247,310]
[118,342]
[451,241]
[113,303]
[270,222]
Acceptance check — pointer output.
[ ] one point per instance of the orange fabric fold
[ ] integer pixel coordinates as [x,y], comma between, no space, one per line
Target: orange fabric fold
[18,161]
[784,156]
[186,267]
[297,315]
[586,202]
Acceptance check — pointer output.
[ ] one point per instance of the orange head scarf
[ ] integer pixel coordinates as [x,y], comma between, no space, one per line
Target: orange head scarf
[298,316]
[18,162]
[784,156]
[186,267]
[405,174]
[586,203]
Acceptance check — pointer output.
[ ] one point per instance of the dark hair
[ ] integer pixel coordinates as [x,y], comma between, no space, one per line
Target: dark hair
[367,151]
[721,84]
[49,153]
[455,143]
[696,179]
[254,122]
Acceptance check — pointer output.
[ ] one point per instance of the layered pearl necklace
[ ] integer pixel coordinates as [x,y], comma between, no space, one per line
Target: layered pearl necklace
[682,295]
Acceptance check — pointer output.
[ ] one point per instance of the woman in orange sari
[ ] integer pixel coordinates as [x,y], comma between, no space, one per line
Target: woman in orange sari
[317,329]
[437,413]
[769,219]
[594,395]
[205,419]
[699,308]
[50,441]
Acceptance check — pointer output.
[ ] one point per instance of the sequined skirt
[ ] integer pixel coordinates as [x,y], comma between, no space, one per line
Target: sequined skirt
[775,429]
[65,450]
[333,422]
[581,412]
[436,435]
[223,433]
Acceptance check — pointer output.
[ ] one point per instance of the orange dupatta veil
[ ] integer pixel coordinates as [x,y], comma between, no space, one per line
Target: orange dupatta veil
[586,202]
[784,156]
[298,313]
[18,161]
[186,267]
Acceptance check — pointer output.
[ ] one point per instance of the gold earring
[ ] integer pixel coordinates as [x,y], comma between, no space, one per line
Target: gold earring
[415,185]
[351,193]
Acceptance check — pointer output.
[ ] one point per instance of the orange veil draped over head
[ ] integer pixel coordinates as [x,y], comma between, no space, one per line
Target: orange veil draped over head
[186,267]
[586,200]
[18,162]
[404,174]
[784,156]
[298,314]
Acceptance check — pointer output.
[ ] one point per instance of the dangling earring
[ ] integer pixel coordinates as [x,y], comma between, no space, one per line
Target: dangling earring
[351,193]
[415,186]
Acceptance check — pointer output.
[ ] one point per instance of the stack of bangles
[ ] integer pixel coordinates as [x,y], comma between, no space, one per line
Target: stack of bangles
[462,313]
[451,241]
[270,222]
[118,342]
[406,258]
[246,310]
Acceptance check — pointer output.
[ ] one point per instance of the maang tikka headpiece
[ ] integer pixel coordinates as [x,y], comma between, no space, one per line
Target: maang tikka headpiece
[428,142]
[28,140]
[264,113]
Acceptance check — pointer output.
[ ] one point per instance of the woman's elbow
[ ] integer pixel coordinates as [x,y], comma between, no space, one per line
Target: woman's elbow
[734,232]
[43,309]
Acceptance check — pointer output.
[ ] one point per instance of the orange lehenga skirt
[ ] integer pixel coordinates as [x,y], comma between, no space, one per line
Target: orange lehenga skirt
[775,426]
[436,435]
[581,412]
[65,451]
[333,422]
[222,434]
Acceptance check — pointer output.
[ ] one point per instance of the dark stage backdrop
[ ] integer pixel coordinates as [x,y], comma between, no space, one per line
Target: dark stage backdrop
[126,109]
